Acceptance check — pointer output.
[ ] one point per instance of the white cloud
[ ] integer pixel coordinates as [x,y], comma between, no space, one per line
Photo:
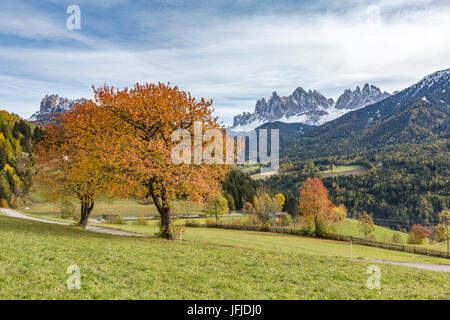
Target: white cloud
[231,60]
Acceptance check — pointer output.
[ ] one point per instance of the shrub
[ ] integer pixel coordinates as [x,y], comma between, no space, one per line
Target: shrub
[418,234]
[325,229]
[177,231]
[13,202]
[397,238]
[285,220]
[3,203]
[253,220]
[248,208]
[266,226]
[141,221]
[67,210]
[210,222]
[117,220]
[236,222]
[20,203]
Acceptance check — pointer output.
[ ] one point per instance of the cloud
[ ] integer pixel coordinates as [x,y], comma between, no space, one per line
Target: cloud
[237,60]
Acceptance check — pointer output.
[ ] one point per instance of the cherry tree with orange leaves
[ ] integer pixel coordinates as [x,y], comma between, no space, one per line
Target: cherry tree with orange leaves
[69,159]
[139,145]
[316,208]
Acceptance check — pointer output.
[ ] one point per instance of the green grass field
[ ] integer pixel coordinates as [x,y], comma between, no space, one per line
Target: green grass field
[34,258]
[288,244]
[340,169]
[262,176]
[249,168]
[116,207]
[349,227]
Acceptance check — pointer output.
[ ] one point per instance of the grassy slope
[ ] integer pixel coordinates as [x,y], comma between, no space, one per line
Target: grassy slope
[350,228]
[347,228]
[285,243]
[340,169]
[116,207]
[34,258]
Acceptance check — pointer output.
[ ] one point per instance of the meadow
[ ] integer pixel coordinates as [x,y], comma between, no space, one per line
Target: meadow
[34,258]
[288,244]
[124,208]
[340,169]
[113,207]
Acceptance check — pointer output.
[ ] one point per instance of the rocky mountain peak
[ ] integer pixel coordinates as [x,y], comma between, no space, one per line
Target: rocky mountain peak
[309,107]
[358,98]
[52,105]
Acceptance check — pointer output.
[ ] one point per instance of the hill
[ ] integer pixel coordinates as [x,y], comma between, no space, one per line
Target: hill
[17,138]
[287,131]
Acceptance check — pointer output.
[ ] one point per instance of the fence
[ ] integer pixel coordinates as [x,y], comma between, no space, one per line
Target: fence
[305,233]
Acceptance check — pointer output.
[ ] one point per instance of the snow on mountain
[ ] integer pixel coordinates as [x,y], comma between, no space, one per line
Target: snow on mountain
[308,107]
[357,99]
[438,80]
[52,105]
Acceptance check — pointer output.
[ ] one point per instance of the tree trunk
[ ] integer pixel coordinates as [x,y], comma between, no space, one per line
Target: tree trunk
[163,206]
[87,205]
[165,223]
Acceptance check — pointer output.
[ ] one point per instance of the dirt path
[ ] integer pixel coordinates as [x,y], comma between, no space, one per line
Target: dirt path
[15,214]
[433,267]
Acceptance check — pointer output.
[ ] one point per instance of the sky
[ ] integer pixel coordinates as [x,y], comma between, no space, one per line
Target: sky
[233,52]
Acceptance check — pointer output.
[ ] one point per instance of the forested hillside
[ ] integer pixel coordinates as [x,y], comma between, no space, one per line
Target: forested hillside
[402,145]
[17,137]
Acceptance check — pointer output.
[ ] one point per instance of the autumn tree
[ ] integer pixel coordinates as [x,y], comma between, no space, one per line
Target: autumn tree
[140,149]
[217,206]
[418,234]
[280,198]
[442,229]
[315,207]
[339,213]
[248,208]
[265,207]
[69,160]
[365,224]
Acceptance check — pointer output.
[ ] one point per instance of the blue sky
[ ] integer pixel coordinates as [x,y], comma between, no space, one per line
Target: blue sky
[231,51]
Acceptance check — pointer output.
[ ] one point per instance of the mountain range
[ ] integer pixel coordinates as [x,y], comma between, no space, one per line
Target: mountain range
[307,107]
[417,111]
[315,118]
[51,106]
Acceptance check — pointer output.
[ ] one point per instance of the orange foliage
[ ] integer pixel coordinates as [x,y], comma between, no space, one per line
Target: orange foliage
[315,207]
[139,144]
[70,160]
[418,234]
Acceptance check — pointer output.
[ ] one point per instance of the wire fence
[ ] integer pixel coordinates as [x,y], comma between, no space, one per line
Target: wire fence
[341,238]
